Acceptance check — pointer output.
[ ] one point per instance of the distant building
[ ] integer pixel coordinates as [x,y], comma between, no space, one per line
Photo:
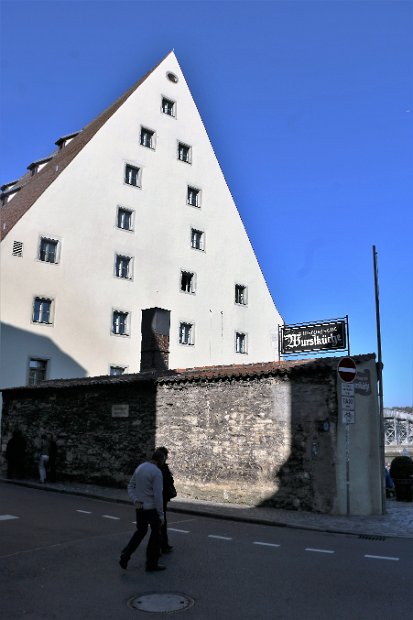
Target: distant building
[124,250]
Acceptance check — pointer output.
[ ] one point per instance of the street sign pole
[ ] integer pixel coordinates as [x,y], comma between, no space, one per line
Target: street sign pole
[347,372]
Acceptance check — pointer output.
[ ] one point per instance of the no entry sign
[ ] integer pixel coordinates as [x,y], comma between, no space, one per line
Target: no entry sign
[347,369]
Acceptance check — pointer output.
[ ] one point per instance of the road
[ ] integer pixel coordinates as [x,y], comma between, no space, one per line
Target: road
[59,554]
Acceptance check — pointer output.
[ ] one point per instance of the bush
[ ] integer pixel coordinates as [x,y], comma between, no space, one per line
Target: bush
[401,468]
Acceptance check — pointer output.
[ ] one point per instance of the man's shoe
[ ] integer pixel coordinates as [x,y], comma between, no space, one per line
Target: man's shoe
[153,569]
[123,561]
[167,549]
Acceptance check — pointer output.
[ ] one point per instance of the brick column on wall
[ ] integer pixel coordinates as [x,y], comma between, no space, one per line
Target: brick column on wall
[155,339]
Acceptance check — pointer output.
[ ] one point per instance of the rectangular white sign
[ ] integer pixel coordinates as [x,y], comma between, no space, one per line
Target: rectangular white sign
[349,417]
[347,389]
[347,403]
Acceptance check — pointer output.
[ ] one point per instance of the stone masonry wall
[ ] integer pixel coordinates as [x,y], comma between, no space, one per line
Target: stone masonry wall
[262,439]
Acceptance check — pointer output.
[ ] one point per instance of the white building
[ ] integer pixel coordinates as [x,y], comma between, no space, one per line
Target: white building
[131,213]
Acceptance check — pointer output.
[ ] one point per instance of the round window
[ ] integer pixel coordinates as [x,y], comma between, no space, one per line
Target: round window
[172,77]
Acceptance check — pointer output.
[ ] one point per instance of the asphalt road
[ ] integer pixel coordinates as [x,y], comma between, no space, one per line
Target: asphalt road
[59,554]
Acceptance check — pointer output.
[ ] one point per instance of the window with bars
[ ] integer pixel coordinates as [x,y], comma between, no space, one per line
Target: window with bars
[132,175]
[48,250]
[147,138]
[197,239]
[124,219]
[241,294]
[17,248]
[193,196]
[184,152]
[187,282]
[37,370]
[115,371]
[240,342]
[168,107]
[186,333]
[42,310]
[120,323]
[123,266]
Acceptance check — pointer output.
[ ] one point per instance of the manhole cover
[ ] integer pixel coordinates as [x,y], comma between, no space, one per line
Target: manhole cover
[165,603]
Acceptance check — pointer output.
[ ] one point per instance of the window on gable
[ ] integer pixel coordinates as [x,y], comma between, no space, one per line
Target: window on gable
[186,333]
[48,250]
[123,266]
[240,342]
[197,239]
[132,175]
[116,371]
[17,248]
[37,370]
[124,218]
[187,282]
[168,107]
[193,196]
[120,323]
[147,138]
[184,152]
[42,310]
[241,295]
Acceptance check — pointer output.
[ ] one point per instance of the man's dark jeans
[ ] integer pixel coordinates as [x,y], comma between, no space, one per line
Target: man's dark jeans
[145,518]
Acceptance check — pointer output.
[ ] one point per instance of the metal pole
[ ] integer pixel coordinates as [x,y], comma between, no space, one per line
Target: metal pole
[380,380]
[348,469]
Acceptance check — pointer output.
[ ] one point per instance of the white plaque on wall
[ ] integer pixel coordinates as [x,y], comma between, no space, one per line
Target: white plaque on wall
[120,411]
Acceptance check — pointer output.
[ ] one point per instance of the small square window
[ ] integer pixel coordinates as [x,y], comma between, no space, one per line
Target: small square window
[132,175]
[48,250]
[168,107]
[120,323]
[241,295]
[116,371]
[124,219]
[147,138]
[193,197]
[123,267]
[187,282]
[186,333]
[197,239]
[37,370]
[42,310]
[240,342]
[184,152]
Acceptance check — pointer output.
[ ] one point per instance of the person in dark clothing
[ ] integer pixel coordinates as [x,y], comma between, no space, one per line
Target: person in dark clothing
[169,492]
[15,455]
[52,458]
[145,491]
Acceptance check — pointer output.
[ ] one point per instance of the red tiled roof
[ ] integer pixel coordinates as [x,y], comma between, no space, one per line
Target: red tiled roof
[202,373]
[34,186]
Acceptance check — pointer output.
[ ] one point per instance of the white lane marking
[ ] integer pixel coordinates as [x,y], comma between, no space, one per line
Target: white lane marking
[319,550]
[8,517]
[219,537]
[264,544]
[110,517]
[173,529]
[382,557]
[85,512]
[181,521]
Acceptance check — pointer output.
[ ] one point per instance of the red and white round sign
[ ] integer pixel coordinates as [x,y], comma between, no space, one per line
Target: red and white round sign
[347,369]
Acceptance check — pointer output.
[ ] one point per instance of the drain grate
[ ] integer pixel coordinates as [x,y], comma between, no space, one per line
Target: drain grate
[161,603]
[368,537]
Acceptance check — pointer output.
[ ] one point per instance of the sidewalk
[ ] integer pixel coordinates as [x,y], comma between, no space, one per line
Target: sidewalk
[397,522]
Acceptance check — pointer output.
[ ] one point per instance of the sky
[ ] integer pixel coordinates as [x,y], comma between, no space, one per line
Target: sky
[309,107]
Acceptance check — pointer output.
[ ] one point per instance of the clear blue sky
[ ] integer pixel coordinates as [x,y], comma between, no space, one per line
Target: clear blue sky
[308,106]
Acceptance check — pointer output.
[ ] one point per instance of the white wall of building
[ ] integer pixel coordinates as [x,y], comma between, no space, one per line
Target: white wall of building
[80,208]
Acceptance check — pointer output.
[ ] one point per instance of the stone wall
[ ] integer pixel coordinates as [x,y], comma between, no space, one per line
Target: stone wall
[248,437]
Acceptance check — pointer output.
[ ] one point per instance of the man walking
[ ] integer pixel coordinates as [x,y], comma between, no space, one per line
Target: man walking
[145,491]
